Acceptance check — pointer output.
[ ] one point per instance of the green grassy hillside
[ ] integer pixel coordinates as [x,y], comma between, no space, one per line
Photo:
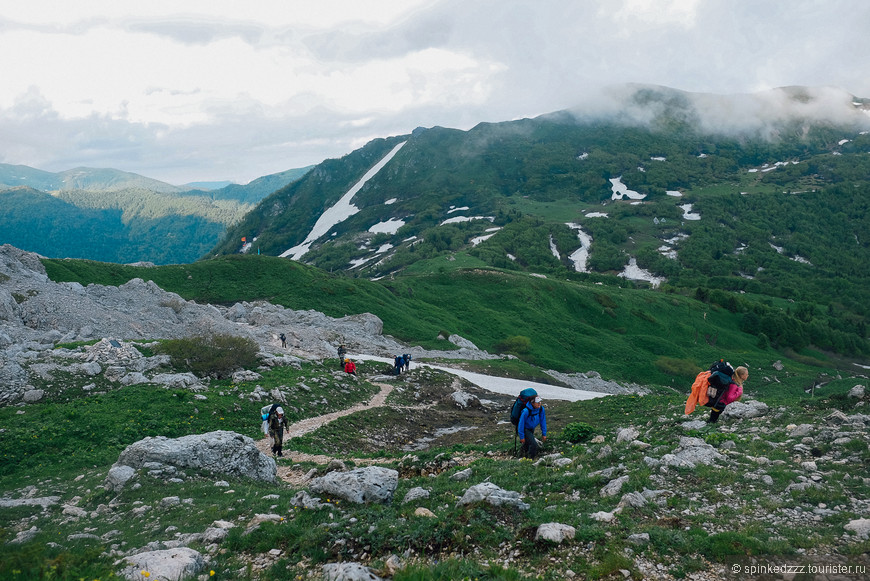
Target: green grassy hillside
[772,229]
[752,503]
[625,334]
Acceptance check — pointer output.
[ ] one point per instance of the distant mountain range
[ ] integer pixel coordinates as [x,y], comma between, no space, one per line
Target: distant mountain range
[116,216]
[80,178]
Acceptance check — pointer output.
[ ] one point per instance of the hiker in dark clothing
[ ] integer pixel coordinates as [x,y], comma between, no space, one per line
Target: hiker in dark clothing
[398,362]
[533,416]
[341,353]
[406,362]
[277,426]
[283,338]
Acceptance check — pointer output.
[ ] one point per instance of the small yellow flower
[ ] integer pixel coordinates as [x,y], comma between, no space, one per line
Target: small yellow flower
[211,573]
[146,574]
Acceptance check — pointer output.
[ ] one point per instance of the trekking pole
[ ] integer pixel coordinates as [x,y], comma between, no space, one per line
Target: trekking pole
[515,444]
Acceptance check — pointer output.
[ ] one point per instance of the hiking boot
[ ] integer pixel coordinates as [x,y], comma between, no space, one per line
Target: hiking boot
[280,455]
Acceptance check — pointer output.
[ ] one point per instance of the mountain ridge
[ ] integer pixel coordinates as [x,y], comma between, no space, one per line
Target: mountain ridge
[121,217]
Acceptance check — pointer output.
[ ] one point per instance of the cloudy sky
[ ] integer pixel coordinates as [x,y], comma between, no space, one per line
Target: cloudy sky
[196,90]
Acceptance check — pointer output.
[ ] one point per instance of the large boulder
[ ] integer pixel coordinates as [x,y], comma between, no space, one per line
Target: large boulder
[219,452]
[362,485]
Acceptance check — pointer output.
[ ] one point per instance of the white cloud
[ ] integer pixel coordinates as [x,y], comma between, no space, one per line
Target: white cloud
[213,89]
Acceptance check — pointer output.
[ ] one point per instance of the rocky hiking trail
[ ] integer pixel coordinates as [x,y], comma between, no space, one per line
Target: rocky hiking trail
[293,475]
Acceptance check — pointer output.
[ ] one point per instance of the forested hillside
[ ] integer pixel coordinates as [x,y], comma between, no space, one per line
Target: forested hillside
[115,216]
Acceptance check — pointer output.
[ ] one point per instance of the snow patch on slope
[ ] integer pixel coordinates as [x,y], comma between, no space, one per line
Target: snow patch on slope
[341,211]
[581,255]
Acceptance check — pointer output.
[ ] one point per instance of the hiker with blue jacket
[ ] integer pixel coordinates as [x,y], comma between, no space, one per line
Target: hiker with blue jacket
[533,416]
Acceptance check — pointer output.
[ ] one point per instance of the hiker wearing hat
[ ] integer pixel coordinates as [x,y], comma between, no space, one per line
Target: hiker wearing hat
[533,416]
[277,427]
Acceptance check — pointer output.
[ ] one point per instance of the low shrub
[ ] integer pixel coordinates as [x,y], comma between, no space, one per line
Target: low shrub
[577,432]
[717,438]
[211,355]
[677,367]
[515,344]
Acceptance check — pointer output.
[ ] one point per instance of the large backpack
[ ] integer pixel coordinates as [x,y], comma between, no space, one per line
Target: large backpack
[525,397]
[721,373]
[266,414]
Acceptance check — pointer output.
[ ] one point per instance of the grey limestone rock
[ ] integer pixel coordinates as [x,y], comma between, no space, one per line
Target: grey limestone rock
[176,564]
[494,495]
[555,532]
[416,493]
[219,452]
[361,485]
[33,395]
[614,487]
[348,572]
[744,410]
[119,476]
[860,527]
[691,452]
[462,475]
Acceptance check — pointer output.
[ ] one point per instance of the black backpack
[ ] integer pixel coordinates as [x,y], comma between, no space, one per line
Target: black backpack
[721,373]
[525,397]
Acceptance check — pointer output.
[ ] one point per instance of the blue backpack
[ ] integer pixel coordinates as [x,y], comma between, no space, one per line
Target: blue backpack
[525,397]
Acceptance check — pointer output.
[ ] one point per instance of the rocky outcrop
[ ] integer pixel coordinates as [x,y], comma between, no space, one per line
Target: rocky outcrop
[219,452]
[36,314]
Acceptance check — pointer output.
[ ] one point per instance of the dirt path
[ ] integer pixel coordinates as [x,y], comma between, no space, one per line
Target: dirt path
[300,428]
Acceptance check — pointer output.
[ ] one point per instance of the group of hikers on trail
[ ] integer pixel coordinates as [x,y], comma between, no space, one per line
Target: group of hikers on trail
[401,362]
[345,363]
[715,388]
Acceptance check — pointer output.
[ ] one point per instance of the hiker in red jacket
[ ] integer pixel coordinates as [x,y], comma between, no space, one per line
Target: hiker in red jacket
[349,367]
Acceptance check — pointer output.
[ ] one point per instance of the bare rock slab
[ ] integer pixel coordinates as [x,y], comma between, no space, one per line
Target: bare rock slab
[220,452]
